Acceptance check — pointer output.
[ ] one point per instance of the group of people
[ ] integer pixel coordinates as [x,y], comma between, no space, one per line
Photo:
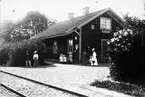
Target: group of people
[92,58]
[64,59]
[35,59]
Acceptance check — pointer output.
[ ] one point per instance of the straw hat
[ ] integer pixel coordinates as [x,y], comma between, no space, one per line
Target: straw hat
[35,52]
[93,49]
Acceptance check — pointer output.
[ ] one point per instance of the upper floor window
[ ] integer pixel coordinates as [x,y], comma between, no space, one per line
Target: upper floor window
[105,23]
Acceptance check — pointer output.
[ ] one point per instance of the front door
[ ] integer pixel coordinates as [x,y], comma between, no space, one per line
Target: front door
[104,48]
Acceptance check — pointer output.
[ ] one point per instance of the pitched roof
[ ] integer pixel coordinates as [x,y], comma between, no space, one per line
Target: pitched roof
[66,27]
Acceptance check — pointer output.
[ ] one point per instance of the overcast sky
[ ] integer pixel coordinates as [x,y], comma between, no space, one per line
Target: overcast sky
[57,9]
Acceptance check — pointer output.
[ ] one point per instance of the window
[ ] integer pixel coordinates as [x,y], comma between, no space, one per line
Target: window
[105,23]
[55,47]
[70,45]
[92,27]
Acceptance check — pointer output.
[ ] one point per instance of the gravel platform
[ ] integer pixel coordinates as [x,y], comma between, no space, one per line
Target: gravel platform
[72,77]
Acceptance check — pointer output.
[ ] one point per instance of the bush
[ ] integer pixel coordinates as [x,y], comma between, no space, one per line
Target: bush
[127,52]
[14,54]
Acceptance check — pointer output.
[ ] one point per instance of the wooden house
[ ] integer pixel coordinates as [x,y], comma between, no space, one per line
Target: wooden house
[79,34]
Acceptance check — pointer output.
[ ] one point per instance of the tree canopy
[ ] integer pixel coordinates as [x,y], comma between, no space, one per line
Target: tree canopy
[135,22]
[32,24]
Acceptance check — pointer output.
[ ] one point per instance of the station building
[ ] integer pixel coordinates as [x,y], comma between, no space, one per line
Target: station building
[79,34]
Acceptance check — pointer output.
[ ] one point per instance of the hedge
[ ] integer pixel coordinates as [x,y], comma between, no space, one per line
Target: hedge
[14,54]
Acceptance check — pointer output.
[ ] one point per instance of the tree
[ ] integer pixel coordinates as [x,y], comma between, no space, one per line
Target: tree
[135,22]
[36,22]
[32,24]
[5,30]
[19,33]
[127,52]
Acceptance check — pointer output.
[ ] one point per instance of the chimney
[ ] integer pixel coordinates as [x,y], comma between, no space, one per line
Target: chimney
[70,15]
[86,10]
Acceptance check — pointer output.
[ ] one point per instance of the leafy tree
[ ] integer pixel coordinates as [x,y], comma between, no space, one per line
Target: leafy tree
[32,24]
[136,23]
[5,31]
[19,33]
[35,22]
[127,52]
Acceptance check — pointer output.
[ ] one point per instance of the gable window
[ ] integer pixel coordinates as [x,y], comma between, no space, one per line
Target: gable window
[105,23]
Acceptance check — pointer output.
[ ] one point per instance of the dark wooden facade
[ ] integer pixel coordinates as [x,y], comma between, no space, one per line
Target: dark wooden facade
[88,34]
[97,37]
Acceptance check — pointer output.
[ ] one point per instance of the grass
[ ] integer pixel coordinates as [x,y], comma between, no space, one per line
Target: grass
[126,88]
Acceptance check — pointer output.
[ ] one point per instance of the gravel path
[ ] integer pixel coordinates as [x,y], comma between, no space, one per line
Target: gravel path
[66,76]
[63,74]
[31,89]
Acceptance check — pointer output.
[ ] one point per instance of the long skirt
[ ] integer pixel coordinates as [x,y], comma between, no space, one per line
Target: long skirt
[94,61]
[35,62]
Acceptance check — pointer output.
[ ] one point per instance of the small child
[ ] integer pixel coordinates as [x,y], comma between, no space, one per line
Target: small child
[61,58]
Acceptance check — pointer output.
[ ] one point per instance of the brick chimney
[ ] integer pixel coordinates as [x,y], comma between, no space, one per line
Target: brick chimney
[70,15]
[86,10]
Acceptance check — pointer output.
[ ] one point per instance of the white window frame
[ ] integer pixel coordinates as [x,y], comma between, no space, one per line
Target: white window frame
[105,25]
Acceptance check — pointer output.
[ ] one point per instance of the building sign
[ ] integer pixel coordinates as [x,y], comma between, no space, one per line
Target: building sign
[105,31]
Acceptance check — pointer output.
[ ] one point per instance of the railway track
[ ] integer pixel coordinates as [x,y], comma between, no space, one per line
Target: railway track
[13,90]
[39,86]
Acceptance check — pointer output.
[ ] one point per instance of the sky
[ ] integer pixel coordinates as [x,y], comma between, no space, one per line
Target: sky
[15,10]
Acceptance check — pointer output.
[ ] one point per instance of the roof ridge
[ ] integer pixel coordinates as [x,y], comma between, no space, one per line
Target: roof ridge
[62,27]
[87,14]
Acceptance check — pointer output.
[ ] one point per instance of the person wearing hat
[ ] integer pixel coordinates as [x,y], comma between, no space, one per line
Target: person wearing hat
[35,59]
[94,57]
